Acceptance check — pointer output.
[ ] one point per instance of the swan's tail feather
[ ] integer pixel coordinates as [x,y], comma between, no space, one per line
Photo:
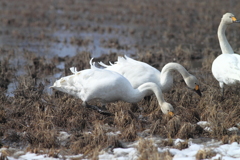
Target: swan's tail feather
[68,81]
[92,64]
[67,85]
[103,64]
[73,70]
[122,59]
[111,63]
[129,59]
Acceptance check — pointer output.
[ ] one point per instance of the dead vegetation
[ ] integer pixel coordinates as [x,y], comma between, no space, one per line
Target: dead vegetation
[33,118]
[148,150]
[205,154]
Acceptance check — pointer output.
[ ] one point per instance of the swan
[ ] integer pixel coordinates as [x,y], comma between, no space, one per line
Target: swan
[107,86]
[226,67]
[138,73]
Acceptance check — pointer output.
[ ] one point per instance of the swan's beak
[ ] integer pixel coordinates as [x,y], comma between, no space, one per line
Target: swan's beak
[235,20]
[171,114]
[197,90]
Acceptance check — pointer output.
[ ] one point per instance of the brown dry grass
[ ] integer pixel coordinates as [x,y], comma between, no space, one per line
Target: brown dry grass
[148,150]
[179,31]
[205,154]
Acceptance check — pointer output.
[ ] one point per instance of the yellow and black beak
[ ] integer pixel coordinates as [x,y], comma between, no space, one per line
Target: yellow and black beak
[235,20]
[171,114]
[197,90]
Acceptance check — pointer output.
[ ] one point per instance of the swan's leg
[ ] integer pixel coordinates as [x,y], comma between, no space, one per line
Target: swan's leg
[135,107]
[103,107]
[222,89]
[97,109]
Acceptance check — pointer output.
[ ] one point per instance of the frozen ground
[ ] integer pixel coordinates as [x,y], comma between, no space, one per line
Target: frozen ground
[197,148]
[221,151]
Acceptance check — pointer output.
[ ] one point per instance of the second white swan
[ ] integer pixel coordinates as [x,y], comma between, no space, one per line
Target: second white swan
[226,67]
[139,73]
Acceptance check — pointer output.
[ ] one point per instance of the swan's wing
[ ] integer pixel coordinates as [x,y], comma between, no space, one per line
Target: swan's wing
[136,72]
[232,67]
[105,85]
[226,68]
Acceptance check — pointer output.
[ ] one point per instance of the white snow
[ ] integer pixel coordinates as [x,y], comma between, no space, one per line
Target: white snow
[30,156]
[233,129]
[178,141]
[63,136]
[203,123]
[113,133]
[223,151]
[206,126]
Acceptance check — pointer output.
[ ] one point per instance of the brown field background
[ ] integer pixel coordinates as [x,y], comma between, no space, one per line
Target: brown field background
[32,33]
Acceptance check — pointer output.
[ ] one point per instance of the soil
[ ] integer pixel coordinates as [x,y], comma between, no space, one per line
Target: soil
[41,40]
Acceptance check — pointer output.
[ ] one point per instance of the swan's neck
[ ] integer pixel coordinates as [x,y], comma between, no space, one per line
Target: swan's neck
[225,46]
[144,90]
[166,78]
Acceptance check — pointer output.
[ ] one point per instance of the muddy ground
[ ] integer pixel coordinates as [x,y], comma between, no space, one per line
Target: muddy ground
[41,40]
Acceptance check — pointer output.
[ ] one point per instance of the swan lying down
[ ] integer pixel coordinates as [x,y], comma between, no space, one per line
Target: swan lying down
[139,73]
[107,86]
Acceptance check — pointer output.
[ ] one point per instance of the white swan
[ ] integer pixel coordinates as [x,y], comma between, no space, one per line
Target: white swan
[139,73]
[226,67]
[107,86]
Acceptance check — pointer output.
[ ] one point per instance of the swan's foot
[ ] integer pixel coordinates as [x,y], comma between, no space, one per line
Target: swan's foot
[101,111]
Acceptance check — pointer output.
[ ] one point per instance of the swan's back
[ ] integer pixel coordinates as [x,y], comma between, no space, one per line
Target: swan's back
[95,83]
[135,71]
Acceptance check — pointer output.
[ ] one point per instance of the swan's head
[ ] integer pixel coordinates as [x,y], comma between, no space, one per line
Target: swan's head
[229,18]
[167,109]
[193,83]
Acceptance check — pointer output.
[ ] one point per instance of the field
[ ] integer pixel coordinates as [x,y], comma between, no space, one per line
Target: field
[41,40]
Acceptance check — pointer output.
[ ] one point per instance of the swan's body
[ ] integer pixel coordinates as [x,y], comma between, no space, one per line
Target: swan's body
[226,67]
[139,73]
[107,86]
